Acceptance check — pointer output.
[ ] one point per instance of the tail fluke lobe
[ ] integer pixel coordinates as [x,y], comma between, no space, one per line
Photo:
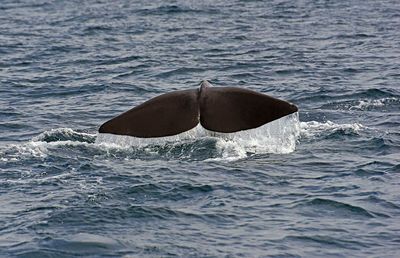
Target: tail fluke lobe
[168,114]
[231,109]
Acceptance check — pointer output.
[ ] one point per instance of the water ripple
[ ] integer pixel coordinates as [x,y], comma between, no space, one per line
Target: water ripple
[322,182]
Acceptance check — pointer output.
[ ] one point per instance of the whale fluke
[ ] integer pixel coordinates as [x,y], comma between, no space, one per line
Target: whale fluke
[219,109]
[168,114]
[230,109]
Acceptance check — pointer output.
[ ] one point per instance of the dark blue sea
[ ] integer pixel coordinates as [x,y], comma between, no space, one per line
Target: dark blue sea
[323,182]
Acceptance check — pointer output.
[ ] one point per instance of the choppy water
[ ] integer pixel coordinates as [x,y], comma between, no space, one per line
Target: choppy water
[323,182]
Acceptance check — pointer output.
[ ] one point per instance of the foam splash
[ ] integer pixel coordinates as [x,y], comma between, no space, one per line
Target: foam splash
[371,103]
[14,152]
[40,146]
[122,141]
[313,129]
[279,136]
[64,134]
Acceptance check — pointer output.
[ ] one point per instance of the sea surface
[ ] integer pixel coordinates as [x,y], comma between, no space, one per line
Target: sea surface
[323,182]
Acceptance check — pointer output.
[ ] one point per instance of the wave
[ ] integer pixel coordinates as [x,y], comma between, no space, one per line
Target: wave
[335,208]
[175,10]
[278,137]
[365,100]
[374,103]
[314,129]
[40,146]
[367,104]
[64,134]
[81,244]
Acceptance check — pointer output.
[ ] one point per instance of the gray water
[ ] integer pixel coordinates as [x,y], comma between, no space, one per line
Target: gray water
[323,182]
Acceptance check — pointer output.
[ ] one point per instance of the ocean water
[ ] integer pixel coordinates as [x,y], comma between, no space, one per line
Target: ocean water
[324,182]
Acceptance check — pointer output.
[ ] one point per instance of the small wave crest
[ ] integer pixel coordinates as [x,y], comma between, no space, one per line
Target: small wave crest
[81,244]
[64,134]
[314,129]
[374,103]
[40,145]
[337,208]
[366,104]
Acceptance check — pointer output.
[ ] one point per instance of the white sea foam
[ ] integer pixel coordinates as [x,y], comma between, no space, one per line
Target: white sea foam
[362,104]
[63,133]
[122,141]
[314,129]
[40,145]
[34,149]
[279,136]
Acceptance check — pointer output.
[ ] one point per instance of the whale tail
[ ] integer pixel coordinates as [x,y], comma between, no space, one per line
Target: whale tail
[219,109]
